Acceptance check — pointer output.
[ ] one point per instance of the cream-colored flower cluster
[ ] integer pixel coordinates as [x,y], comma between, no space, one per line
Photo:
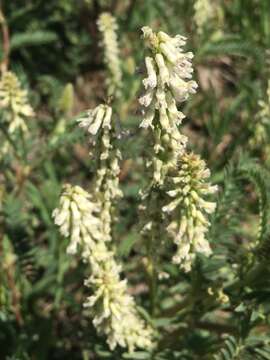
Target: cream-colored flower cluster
[107,26]
[113,309]
[204,12]
[13,100]
[87,221]
[77,217]
[99,122]
[168,82]
[187,210]
[178,181]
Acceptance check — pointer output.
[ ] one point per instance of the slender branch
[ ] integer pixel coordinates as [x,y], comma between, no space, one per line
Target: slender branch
[15,293]
[130,10]
[11,141]
[153,284]
[6,42]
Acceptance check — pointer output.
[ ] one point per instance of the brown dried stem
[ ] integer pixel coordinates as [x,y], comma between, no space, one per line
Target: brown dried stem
[6,42]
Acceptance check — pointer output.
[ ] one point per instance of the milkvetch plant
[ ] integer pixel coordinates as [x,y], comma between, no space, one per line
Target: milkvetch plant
[175,203]
[148,254]
[89,225]
[177,174]
[16,110]
[14,102]
[187,186]
[177,182]
[168,82]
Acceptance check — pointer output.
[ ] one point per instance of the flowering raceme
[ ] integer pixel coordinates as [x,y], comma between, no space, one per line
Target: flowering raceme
[176,173]
[187,186]
[113,309]
[88,223]
[107,26]
[173,202]
[99,122]
[205,11]
[13,100]
[168,82]
[77,217]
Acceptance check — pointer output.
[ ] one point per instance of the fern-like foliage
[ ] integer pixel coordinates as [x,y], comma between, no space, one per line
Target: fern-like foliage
[232,45]
[237,176]
[253,348]
[36,38]
[258,176]
[15,228]
[224,221]
[230,349]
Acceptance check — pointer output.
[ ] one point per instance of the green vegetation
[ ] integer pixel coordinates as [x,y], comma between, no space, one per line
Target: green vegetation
[56,63]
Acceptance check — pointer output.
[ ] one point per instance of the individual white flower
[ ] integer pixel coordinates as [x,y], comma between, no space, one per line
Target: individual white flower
[151,80]
[164,75]
[13,100]
[107,26]
[94,119]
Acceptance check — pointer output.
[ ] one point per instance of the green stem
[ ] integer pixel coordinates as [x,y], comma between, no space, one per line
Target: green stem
[152,269]
[153,285]
[11,141]
[23,146]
